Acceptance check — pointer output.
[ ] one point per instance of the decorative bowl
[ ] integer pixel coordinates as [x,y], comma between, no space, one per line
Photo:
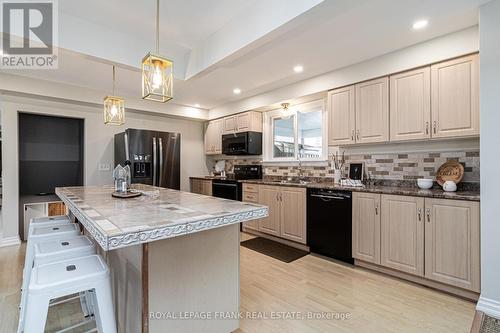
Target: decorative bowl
[425,183]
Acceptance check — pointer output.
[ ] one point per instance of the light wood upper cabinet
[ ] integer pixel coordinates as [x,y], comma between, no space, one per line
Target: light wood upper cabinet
[243,122]
[452,242]
[372,111]
[293,214]
[341,116]
[213,137]
[402,233]
[366,227]
[455,97]
[269,196]
[230,125]
[410,105]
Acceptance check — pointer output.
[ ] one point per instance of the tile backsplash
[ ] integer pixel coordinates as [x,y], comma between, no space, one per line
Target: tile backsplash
[394,166]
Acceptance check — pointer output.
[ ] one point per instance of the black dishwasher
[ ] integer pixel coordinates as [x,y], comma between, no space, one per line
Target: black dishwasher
[329,223]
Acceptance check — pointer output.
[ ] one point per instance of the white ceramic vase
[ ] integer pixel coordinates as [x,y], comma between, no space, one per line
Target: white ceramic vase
[336,176]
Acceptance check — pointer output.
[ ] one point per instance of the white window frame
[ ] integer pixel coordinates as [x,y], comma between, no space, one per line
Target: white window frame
[268,135]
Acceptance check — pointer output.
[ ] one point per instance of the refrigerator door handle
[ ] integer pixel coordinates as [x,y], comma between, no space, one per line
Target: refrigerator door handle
[154,162]
[160,144]
[127,152]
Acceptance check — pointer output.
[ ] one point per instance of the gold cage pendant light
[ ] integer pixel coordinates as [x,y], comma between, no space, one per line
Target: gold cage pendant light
[157,71]
[114,107]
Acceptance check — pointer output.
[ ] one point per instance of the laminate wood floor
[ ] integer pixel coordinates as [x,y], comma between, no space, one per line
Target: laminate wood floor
[374,302]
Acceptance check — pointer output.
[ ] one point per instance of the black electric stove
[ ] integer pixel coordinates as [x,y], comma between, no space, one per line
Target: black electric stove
[230,187]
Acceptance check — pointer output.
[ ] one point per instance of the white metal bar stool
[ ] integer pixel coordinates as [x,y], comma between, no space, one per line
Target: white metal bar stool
[41,234]
[45,233]
[47,221]
[40,222]
[62,249]
[69,277]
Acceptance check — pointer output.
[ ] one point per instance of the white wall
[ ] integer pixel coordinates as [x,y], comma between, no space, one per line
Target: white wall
[490,158]
[441,48]
[99,147]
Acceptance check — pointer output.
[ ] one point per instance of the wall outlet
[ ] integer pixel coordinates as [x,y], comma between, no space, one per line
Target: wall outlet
[104,167]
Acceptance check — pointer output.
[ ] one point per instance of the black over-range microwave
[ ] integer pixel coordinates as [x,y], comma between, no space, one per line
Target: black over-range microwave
[244,143]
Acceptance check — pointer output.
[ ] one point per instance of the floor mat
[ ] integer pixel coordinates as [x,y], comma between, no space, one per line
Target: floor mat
[274,249]
[490,325]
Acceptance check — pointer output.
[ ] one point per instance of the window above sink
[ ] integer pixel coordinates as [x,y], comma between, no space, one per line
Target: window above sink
[299,133]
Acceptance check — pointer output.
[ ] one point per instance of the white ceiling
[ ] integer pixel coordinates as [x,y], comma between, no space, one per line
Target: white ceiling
[331,35]
[183,22]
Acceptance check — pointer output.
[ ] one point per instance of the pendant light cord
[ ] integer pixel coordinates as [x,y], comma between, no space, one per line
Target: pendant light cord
[157,26]
[114,76]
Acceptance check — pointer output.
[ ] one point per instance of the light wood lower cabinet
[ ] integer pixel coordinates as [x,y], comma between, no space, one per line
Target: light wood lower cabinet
[402,233]
[293,214]
[366,227]
[452,242]
[201,186]
[251,194]
[269,196]
[437,239]
[287,212]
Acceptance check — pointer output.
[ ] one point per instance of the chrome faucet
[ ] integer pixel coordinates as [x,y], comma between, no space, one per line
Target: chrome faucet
[300,174]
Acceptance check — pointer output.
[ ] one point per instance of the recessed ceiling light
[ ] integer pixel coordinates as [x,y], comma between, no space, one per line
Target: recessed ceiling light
[420,24]
[298,69]
[237,91]
[197,105]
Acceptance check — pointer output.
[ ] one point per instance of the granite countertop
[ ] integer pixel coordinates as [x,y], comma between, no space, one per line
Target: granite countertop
[396,190]
[207,177]
[159,213]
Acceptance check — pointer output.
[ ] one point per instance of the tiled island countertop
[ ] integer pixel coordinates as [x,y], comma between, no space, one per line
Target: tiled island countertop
[158,213]
[166,243]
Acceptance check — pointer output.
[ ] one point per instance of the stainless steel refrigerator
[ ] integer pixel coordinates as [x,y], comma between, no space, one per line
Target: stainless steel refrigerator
[154,157]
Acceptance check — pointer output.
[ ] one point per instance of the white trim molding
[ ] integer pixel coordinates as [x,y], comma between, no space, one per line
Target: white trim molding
[10,241]
[488,306]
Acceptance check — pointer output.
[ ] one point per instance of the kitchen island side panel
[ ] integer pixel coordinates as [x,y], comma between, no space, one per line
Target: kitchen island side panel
[125,267]
[196,273]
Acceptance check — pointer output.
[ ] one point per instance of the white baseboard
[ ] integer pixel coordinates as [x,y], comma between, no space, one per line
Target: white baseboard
[489,307]
[10,241]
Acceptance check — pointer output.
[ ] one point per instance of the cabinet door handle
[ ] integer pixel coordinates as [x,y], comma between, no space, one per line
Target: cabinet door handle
[376,209]
[428,213]
[277,197]
[357,134]
[419,214]
[426,127]
[434,127]
[352,135]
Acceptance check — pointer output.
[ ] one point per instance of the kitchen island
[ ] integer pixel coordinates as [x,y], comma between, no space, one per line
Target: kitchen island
[173,256]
